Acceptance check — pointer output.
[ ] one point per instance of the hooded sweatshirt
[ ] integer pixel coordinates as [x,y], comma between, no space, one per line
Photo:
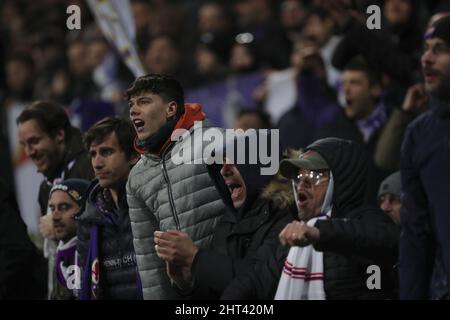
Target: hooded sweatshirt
[244,235]
[354,238]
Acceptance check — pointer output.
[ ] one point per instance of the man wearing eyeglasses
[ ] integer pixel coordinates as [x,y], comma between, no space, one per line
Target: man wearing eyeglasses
[327,252]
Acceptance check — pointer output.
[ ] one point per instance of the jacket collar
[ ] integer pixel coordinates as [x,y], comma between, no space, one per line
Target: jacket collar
[100,204]
[192,112]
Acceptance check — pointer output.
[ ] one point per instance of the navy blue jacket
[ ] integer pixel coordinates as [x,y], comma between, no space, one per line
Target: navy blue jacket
[424,265]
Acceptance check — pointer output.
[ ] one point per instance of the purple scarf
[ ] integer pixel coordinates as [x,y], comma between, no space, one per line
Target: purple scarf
[65,257]
[91,271]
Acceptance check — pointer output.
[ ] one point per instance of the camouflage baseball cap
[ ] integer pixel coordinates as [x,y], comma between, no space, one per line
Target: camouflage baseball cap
[310,159]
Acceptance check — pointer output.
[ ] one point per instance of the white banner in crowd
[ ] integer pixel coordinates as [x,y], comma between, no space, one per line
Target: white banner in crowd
[116,22]
[26,177]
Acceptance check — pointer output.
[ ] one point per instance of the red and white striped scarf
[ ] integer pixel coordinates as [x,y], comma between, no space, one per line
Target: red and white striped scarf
[302,276]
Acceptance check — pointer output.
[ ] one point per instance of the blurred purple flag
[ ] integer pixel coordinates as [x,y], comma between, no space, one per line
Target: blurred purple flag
[222,100]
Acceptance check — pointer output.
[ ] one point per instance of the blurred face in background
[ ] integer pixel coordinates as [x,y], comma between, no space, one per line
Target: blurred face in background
[397,12]
[241,58]
[141,14]
[246,13]
[18,76]
[293,14]
[318,30]
[44,55]
[97,51]
[167,20]
[207,62]
[76,54]
[162,56]
[359,94]
[211,18]
[252,12]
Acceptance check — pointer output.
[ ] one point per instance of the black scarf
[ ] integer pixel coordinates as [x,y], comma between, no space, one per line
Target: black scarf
[155,142]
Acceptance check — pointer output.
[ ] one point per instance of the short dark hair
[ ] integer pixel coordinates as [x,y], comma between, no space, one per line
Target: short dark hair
[124,130]
[359,63]
[168,88]
[50,116]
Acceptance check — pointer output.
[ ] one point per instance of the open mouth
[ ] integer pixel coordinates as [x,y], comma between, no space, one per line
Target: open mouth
[302,198]
[349,102]
[235,190]
[430,72]
[430,75]
[138,124]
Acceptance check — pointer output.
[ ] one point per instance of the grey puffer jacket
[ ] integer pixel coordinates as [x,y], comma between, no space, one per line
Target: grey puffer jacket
[165,195]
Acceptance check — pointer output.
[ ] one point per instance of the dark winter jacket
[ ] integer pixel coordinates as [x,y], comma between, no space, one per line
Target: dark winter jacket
[315,107]
[242,237]
[21,266]
[424,266]
[353,239]
[75,164]
[117,269]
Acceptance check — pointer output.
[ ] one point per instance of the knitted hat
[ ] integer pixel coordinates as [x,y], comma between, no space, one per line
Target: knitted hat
[75,188]
[440,29]
[392,184]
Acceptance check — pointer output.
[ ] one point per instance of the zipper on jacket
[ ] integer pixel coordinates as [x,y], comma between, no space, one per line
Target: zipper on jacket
[169,189]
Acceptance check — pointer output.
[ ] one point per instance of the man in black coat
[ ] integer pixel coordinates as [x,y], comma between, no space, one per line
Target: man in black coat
[246,233]
[330,177]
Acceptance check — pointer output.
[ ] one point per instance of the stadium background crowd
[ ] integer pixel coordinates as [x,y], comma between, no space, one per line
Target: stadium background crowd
[250,63]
